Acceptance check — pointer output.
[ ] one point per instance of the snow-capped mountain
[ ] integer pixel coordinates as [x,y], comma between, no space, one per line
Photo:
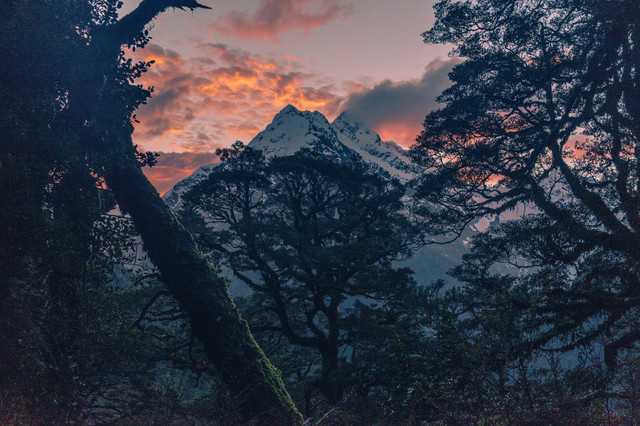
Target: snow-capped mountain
[292,130]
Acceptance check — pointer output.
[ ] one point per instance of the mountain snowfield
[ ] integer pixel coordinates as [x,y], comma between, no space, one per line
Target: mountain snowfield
[341,140]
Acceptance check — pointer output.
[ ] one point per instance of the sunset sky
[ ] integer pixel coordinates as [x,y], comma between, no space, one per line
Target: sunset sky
[221,75]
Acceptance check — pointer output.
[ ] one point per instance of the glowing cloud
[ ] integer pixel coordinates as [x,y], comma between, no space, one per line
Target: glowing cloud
[275,17]
[222,95]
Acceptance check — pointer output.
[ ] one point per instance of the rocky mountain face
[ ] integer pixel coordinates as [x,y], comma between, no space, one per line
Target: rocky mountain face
[341,140]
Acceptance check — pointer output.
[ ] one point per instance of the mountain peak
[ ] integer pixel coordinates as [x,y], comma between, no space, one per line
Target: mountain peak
[372,149]
[292,130]
[291,113]
[289,110]
[345,122]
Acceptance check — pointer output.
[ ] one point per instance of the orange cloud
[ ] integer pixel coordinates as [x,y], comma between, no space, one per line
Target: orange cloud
[275,17]
[403,133]
[222,95]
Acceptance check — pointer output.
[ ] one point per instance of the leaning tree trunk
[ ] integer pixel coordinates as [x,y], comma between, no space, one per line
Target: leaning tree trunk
[202,293]
[253,382]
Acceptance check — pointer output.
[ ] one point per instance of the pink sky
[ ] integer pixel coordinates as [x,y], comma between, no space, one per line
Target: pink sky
[221,75]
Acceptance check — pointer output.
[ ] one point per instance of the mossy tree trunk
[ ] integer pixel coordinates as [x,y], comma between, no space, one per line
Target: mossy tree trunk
[203,294]
[102,127]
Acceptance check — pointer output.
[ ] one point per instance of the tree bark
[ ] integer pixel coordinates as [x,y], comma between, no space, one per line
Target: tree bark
[203,294]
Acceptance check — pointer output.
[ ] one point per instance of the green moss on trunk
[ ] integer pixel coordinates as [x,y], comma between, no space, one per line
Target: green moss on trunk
[204,296]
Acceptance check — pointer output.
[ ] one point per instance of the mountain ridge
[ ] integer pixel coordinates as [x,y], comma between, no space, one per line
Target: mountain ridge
[292,130]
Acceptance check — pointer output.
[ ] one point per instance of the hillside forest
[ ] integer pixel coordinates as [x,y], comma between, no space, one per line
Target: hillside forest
[114,309]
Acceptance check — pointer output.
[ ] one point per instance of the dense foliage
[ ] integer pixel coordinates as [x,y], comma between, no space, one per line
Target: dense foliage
[543,114]
[316,242]
[68,95]
[79,343]
[541,123]
[538,132]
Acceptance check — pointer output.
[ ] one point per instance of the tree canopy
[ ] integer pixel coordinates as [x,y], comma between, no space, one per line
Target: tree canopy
[543,114]
[316,241]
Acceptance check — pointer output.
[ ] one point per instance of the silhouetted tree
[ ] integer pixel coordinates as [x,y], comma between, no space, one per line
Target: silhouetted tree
[316,241]
[544,113]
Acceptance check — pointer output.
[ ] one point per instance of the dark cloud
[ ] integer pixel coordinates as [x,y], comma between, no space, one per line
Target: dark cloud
[175,166]
[400,107]
[275,17]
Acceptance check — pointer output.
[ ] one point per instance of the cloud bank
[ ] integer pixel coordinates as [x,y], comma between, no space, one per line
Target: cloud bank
[396,110]
[222,94]
[275,17]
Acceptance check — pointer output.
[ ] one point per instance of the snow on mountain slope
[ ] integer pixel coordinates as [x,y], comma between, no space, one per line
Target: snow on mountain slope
[173,196]
[292,130]
[386,155]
